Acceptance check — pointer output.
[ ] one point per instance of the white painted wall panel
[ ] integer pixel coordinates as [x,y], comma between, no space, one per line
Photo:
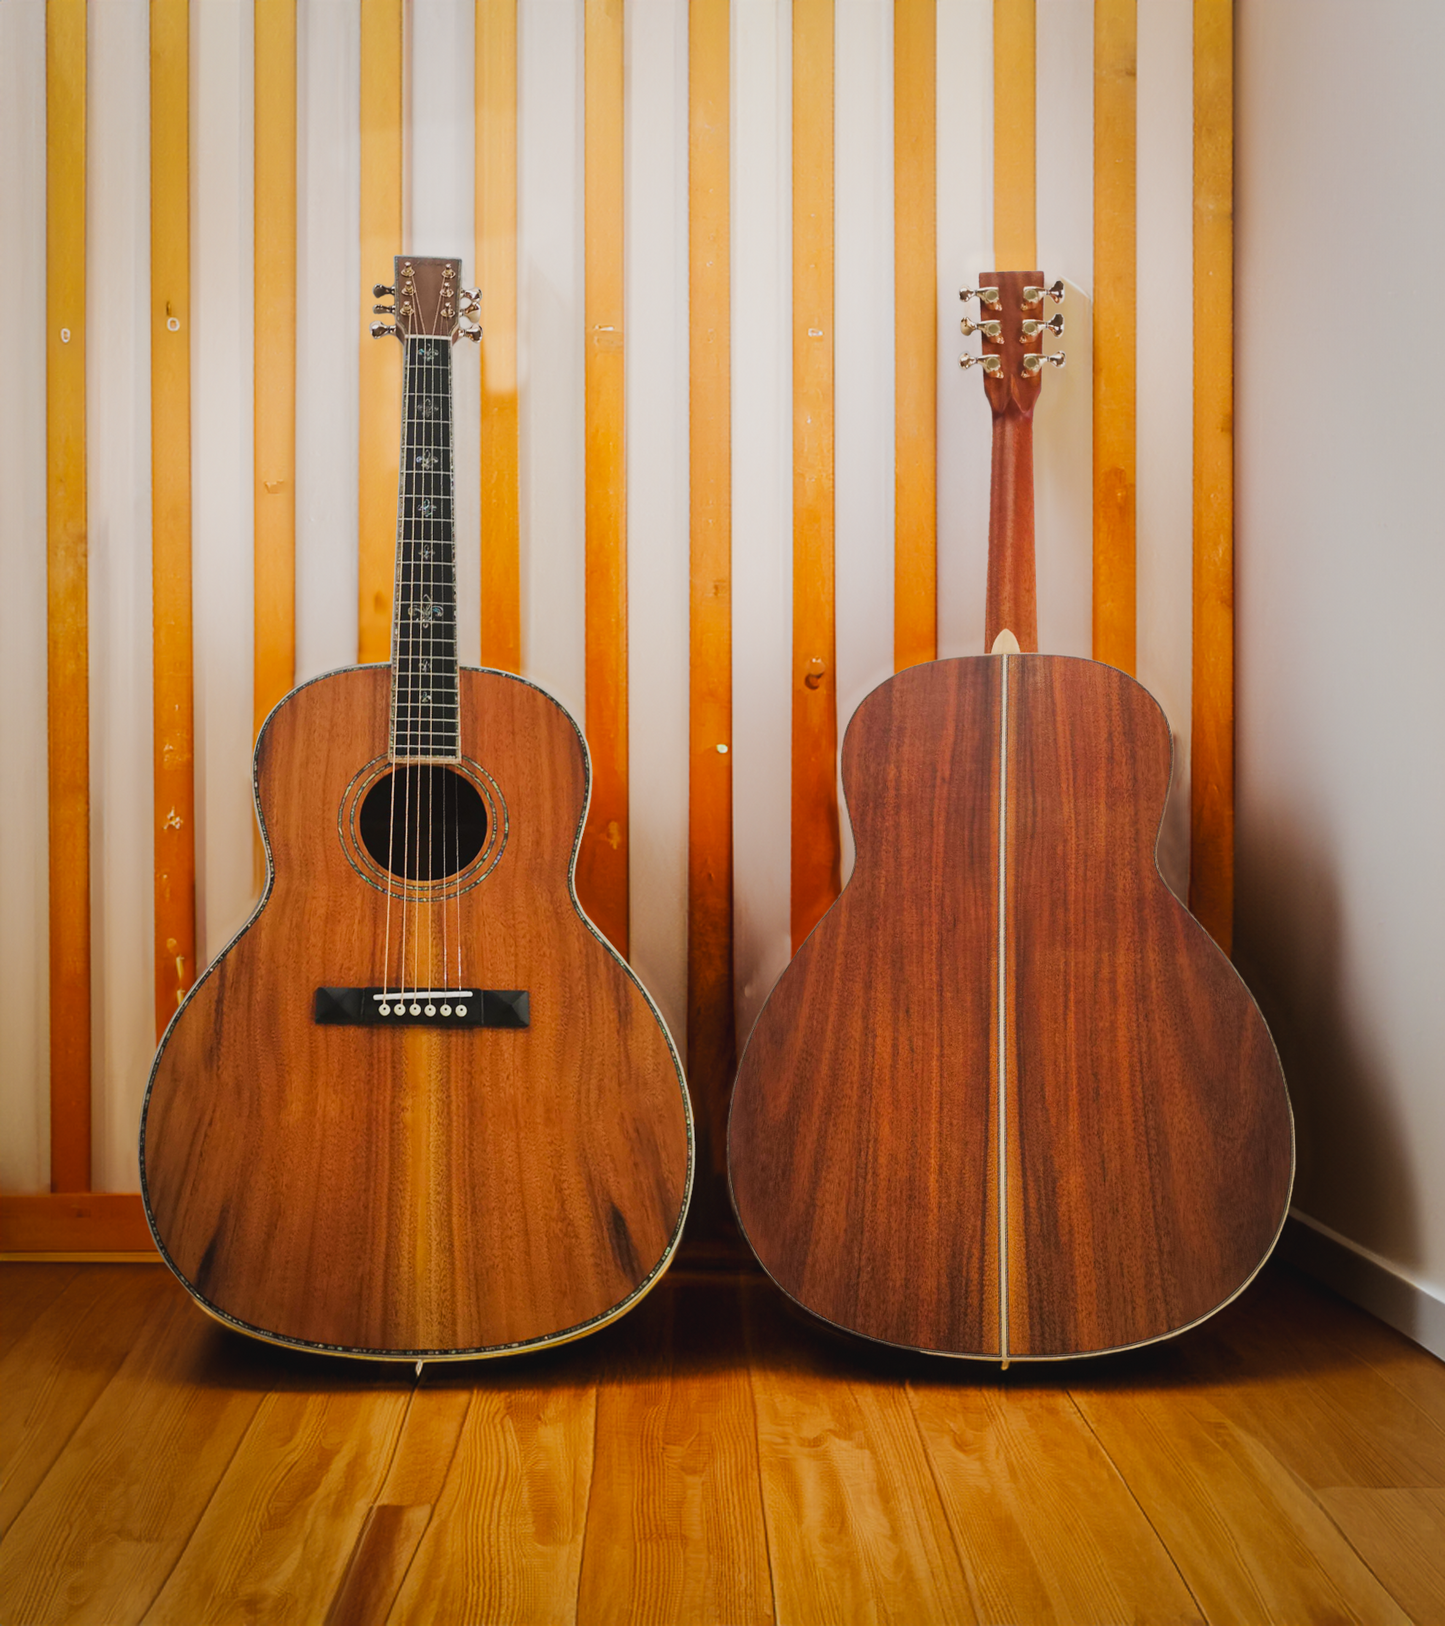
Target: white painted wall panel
[1341,576]
[24,891]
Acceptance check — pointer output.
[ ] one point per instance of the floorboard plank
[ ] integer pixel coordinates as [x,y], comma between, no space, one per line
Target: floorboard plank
[504,1541]
[856,1531]
[674,1522]
[1253,1545]
[96,1541]
[52,1375]
[1329,1416]
[273,1543]
[1400,1534]
[1048,1530]
[26,1291]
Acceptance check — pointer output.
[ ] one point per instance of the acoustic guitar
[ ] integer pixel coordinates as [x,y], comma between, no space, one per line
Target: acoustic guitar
[1009,1100]
[419,1108]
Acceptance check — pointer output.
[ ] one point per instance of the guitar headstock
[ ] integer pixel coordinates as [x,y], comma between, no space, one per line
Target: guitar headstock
[1011,321]
[430,301]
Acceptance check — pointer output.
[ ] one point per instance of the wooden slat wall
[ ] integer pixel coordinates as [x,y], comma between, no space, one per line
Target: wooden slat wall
[915,334]
[172,650]
[1115,198]
[381,239]
[68,633]
[274,392]
[496,275]
[1211,783]
[602,864]
[816,848]
[711,1038]
[1015,213]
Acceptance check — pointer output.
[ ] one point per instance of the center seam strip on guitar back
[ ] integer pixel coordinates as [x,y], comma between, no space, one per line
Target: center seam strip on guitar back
[1002,1019]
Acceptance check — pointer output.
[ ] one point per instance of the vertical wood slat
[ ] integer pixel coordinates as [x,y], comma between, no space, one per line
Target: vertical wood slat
[816,848]
[172,647]
[496,275]
[602,865]
[274,389]
[915,318]
[380,381]
[711,1036]
[67,608]
[1015,211]
[1115,280]
[1211,785]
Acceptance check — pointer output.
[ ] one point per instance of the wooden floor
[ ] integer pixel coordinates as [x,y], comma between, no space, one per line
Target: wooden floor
[710,1458]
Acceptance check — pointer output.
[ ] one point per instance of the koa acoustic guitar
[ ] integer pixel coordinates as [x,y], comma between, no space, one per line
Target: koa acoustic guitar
[1009,1100]
[419,1108]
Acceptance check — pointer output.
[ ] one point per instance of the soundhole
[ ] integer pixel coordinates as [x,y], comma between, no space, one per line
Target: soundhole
[423,822]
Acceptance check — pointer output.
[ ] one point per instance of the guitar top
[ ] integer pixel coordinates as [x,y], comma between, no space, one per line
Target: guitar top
[420,1108]
[1009,1100]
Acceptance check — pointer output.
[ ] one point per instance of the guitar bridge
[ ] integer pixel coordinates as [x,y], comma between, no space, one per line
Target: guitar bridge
[422,1007]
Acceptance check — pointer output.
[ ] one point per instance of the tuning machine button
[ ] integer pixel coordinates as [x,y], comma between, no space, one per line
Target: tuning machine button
[471,300]
[990,364]
[1033,361]
[379,330]
[384,310]
[381,291]
[990,330]
[987,296]
[1036,296]
[469,330]
[1032,327]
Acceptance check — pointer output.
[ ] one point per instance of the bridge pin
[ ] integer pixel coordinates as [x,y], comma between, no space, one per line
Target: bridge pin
[384,1009]
[461,1010]
[446,1010]
[416,1010]
[431,1010]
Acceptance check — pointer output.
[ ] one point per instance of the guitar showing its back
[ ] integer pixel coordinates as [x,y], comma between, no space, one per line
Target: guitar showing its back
[1009,1100]
[419,1108]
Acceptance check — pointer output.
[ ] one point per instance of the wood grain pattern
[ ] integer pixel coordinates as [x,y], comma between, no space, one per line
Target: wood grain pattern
[1115,303]
[172,642]
[653,1458]
[274,359]
[855,1527]
[1250,1541]
[104,1529]
[859,1147]
[504,1543]
[678,1536]
[816,851]
[915,334]
[67,648]
[1015,136]
[1046,1526]
[54,1372]
[1211,739]
[378,455]
[711,1035]
[273,1542]
[1149,1159]
[504,1186]
[602,864]
[496,274]
[73,1222]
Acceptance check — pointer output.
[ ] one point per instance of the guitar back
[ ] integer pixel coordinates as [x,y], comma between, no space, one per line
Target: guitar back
[1009,1100]
[415,1191]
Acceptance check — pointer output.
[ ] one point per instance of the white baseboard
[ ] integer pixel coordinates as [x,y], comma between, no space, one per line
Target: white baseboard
[1365,1279]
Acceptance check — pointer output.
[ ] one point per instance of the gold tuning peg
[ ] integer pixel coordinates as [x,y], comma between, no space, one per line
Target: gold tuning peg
[990,330]
[469,330]
[1054,325]
[987,296]
[1036,296]
[990,364]
[1033,361]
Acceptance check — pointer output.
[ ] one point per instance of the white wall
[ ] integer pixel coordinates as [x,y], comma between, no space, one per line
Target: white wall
[1341,582]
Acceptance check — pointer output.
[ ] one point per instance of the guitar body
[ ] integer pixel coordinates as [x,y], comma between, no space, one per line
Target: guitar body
[413,1191]
[1009,1100]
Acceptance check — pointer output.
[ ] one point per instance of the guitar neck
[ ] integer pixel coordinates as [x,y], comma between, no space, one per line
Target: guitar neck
[1012,597]
[424,690]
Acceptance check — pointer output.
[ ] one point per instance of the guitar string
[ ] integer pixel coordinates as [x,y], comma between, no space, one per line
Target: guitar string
[395,708]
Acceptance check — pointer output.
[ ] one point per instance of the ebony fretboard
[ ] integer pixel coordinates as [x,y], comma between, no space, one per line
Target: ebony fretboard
[424,630]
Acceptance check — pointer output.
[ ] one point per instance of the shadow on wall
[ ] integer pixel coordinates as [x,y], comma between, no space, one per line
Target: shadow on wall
[1289,948]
